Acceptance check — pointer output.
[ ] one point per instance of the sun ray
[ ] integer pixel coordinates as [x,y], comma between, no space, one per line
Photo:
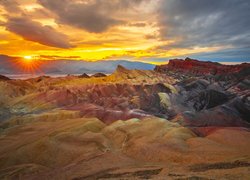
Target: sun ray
[29,64]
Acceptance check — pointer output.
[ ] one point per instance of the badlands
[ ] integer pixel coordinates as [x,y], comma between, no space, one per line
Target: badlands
[185,120]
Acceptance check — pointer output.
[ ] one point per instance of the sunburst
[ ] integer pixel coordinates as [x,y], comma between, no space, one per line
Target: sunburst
[29,64]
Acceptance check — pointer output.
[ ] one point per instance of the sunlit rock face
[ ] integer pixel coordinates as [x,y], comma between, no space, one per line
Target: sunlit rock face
[131,124]
[195,67]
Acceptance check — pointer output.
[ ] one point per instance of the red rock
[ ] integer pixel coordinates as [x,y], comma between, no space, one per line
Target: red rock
[197,67]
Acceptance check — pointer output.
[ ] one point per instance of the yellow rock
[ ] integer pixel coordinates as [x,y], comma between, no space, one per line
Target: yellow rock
[164,100]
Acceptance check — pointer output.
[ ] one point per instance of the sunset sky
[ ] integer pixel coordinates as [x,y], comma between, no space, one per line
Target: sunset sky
[141,30]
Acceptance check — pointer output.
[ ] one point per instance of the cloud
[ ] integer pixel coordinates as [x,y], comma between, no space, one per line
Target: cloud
[35,31]
[11,6]
[227,55]
[193,23]
[138,24]
[91,15]
[55,57]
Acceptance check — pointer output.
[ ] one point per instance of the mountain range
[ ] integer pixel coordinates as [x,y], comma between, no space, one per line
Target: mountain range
[10,65]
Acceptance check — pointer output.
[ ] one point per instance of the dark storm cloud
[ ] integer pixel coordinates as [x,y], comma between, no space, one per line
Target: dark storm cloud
[93,16]
[205,23]
[35,31]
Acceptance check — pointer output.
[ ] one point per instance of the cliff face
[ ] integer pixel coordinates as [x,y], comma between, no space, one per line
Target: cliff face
[195,67]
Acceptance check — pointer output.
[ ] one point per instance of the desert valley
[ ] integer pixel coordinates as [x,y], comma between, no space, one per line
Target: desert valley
[185,120]
[124,89]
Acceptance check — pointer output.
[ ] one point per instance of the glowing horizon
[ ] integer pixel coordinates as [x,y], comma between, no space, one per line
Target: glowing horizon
[132,30]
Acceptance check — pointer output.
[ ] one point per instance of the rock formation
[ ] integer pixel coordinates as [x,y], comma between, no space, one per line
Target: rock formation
[195,67]
[132,124]
[84,75]
[211,94]
[98,75]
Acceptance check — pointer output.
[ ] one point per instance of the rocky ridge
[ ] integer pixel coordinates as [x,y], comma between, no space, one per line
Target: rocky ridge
[198,68]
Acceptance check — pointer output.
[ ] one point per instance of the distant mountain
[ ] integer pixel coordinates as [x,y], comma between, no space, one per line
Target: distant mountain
[9,65]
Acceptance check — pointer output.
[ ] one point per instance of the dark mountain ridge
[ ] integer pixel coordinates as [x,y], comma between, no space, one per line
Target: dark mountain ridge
[11,65]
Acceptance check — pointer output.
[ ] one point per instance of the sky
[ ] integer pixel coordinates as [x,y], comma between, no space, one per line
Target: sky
[138,30]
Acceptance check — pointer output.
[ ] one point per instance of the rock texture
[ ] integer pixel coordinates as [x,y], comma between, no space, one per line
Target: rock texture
[63,148]
[132,124]
[210,94]
[195,67]
[122,95]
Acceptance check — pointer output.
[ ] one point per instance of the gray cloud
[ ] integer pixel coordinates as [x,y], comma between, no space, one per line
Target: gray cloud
[35,31]
[11,6]
[93,16]
[205,23]
[20,23]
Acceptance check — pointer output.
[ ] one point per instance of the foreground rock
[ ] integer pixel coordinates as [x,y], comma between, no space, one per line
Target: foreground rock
[63,148]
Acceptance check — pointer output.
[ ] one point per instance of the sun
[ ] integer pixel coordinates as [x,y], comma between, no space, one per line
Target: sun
[29,64]
[28,58]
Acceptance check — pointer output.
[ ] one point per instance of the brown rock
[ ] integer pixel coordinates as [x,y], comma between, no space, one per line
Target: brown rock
[99,75]
[84,75]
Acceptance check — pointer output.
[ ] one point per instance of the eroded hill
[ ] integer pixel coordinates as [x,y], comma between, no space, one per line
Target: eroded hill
[131,124]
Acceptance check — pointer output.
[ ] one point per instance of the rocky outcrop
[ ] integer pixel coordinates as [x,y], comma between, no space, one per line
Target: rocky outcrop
[210,94]
[204,103]
[97,75]
[123,75]
[84,75]
[195,67]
